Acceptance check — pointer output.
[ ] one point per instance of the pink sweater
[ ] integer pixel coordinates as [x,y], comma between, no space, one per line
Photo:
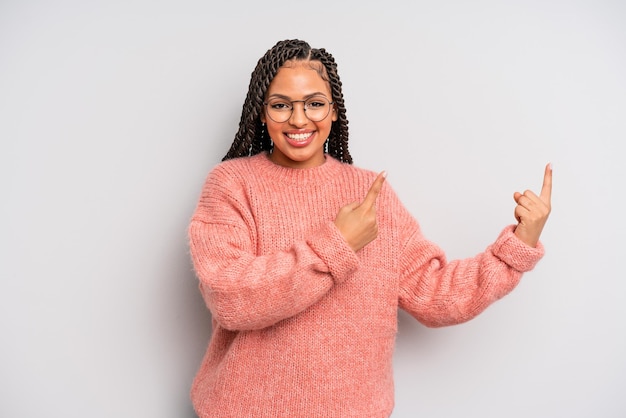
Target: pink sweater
[302,325]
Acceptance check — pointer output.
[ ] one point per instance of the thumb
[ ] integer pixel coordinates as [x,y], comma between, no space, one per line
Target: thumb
[351,206]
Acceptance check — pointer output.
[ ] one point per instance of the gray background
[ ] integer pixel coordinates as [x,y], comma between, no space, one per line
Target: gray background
[113,112]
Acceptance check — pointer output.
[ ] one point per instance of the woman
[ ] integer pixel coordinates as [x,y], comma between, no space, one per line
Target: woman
[304,259]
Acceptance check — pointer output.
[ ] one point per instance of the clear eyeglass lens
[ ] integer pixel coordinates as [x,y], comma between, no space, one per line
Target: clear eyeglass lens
[316,109]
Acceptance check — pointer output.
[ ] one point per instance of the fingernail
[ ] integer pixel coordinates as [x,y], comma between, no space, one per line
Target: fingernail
[384,174]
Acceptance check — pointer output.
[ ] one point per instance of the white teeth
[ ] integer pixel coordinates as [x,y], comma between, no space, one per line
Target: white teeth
[299,137]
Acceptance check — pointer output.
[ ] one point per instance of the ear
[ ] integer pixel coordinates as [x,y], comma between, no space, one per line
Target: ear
[335,113]
[262,117]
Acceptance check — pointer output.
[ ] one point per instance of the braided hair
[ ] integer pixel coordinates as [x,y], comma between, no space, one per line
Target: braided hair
[252,137]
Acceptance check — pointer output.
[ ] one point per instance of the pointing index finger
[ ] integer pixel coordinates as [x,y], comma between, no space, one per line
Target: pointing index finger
[372,193]
[546,189]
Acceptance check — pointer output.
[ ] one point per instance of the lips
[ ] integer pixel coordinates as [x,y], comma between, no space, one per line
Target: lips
[300,139]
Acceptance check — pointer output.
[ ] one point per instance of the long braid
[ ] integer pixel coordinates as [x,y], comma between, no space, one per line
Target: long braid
[252,137]
[338,138]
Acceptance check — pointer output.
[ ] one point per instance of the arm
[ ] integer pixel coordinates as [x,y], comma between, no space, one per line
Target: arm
[245,291]
[439,293]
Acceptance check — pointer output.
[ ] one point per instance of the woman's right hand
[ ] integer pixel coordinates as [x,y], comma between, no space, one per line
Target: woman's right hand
[357,221]
[532,211]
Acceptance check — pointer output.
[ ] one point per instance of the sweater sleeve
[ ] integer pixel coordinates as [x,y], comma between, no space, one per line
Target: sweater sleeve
[440,293]
[246,291]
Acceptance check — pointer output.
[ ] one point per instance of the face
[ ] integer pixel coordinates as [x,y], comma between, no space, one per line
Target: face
[298,142]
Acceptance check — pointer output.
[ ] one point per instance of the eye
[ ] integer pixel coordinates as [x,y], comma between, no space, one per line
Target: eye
[315,104]
[280,106]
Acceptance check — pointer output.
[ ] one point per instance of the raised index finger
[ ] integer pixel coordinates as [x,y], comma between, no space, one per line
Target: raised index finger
[546,189]
[372,193]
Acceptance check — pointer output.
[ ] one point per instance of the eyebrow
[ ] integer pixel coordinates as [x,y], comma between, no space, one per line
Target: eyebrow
[308,96]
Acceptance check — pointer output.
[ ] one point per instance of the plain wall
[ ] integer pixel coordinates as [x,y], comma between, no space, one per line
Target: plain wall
[113,112]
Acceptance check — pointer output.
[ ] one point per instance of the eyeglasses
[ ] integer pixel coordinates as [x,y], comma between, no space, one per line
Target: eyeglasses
[316,108]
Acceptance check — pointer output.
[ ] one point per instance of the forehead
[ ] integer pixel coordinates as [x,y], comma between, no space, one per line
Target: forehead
[299,78]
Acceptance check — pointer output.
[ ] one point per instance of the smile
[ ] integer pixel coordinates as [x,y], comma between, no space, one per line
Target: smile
[299,137]
[300,140]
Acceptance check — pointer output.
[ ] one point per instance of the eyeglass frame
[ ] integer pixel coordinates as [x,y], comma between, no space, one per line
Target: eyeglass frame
[303,108]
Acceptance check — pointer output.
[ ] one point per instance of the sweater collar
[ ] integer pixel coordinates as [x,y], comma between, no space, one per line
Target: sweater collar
[329,170]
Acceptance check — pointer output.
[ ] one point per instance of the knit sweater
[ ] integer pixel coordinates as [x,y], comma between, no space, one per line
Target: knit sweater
[302,325]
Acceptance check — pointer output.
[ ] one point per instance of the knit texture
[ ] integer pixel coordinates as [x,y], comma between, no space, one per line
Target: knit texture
[302,325]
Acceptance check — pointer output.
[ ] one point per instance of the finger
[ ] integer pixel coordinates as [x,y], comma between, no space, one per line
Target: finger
[531,198]
[546,189]
[521,213]
[351,206]
[524,201]
[372,193]
[518,212]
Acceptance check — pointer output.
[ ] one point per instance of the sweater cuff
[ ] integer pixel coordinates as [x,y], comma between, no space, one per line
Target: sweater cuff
[515,252]
[332,248]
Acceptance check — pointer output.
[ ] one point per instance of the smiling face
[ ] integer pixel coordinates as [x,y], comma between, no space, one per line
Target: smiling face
[298,142]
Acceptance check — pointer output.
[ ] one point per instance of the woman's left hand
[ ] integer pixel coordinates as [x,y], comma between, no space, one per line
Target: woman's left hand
[532,211]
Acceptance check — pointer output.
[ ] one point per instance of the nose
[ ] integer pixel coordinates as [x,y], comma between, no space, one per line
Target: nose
[298,115]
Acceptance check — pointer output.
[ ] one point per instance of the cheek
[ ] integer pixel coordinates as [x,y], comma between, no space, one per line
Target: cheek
[274,130]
